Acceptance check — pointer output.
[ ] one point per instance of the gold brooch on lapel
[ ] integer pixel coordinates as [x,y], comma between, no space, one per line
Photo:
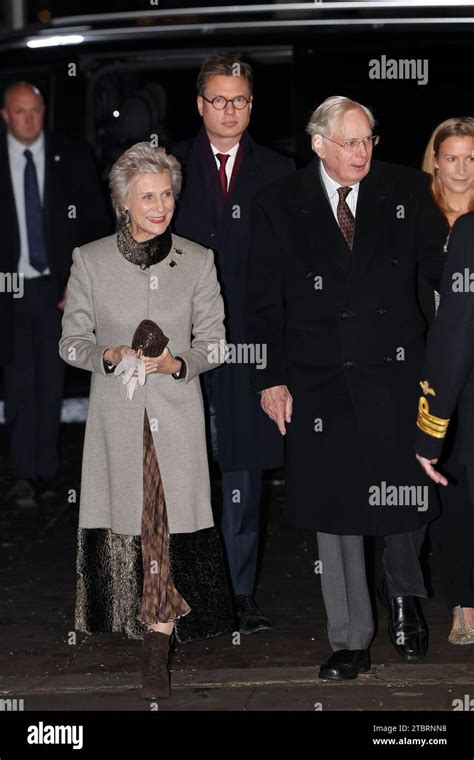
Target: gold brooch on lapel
[425,387]
[174,263]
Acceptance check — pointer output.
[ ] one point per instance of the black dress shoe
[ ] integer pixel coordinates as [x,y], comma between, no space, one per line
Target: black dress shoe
[249,616]
[406,625]
[346,664]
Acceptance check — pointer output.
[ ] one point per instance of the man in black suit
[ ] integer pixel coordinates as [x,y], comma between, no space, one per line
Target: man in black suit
[332,291]
[447,382]
[51,202]
[223,169]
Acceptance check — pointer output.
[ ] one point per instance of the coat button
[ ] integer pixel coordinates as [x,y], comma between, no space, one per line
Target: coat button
[343,315]
[381,311]
[213,234]
[394,262]
[348,364]
[388,359]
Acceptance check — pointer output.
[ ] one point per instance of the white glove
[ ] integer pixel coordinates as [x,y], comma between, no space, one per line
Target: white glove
[128,365]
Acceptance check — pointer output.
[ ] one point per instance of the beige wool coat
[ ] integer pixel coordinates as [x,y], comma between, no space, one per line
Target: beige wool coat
[107,297]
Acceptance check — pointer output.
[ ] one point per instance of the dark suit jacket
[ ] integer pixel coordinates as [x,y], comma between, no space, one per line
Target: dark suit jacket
[449,363]
[246,438]
[345,333]
[71,179]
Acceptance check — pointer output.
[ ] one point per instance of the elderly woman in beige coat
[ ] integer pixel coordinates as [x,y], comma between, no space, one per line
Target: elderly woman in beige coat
[149,559]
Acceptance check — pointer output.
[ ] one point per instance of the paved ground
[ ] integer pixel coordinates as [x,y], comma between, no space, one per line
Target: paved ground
[50,667]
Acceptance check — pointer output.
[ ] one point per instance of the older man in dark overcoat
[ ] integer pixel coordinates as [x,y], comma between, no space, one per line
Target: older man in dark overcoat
[336,252]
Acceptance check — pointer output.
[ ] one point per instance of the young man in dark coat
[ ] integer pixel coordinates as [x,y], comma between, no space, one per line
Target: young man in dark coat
[223,169]
[52,201]
[336,249]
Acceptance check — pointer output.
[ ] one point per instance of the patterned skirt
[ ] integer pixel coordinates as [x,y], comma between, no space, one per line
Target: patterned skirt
[125,583]
[161,602]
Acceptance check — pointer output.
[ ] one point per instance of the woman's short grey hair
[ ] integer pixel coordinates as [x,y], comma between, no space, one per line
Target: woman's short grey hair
[328,115]
[141,158]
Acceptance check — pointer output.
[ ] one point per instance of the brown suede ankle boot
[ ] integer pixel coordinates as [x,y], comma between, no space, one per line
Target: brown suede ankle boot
[155,665]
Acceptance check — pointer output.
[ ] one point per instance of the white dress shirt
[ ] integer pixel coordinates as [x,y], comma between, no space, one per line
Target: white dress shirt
[331,191]
[229,167]
[17,170]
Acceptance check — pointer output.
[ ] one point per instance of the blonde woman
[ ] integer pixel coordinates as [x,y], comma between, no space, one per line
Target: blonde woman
[449,159]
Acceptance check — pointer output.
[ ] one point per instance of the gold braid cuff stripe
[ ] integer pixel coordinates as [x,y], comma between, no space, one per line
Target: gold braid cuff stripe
[436,427]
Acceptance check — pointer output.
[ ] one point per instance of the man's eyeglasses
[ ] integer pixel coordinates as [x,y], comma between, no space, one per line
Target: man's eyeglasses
[219,102]
[351,145]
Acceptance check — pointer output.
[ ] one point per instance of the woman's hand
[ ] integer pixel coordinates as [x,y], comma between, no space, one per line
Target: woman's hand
[115,354]
[164,364]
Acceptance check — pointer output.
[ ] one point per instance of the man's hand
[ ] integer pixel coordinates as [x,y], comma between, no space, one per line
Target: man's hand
[277,402]
[427,465]
[62,302]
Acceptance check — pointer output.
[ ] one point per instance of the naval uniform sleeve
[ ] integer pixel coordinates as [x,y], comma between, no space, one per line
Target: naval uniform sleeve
[450,344]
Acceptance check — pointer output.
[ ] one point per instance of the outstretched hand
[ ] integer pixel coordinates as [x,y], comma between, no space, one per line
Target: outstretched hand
[427,465]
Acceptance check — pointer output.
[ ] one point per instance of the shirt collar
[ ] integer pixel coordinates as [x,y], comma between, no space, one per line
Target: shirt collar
[331,185]
[19,148]
[232,152]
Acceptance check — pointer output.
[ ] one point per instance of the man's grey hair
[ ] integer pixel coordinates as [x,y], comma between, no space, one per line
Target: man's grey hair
[141,158]
[328,115]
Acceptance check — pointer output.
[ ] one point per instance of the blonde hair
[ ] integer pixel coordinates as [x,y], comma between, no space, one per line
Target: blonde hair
[462,126]
[330,112]
[141,158]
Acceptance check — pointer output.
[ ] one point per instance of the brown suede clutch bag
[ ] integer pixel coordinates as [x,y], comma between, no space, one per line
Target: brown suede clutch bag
[149,338]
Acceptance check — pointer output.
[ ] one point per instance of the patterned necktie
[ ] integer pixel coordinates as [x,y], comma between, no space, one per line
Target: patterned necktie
[34,216]
[222,157]
[345,217]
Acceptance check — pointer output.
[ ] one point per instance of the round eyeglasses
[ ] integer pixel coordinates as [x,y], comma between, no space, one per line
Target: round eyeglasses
[220,102]
[351,145]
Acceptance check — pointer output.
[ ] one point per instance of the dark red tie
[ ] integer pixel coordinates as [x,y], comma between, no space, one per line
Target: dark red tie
[223,157]
[345,218]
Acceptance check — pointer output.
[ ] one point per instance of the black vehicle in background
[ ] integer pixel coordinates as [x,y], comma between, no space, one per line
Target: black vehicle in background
[115,73]
[120,72]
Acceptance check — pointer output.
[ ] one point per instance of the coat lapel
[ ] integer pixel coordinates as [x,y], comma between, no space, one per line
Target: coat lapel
[372,204]
[208,174]
[317,223]
[244,181]
[51,166]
